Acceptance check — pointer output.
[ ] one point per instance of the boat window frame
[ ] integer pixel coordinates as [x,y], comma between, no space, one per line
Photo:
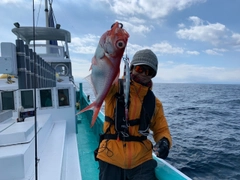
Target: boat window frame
[69,99]
[14,100]
[20,98]
[52,98]
[43,50]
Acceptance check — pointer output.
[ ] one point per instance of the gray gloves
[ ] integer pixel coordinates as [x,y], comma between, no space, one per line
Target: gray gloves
[161,148]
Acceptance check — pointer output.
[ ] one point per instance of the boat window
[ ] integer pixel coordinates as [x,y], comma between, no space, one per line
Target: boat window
[49,50]
[46,98]
[63,97]
[7,100]
[62,69]
[27,99]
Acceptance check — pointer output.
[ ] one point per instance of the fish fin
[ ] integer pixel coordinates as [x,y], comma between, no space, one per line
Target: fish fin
[95,114]
[89,80]
[94,61]
[90,68]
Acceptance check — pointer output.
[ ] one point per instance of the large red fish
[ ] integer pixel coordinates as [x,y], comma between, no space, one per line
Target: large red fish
[106,65]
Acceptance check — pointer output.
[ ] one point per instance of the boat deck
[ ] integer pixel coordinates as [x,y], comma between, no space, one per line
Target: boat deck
[87,143]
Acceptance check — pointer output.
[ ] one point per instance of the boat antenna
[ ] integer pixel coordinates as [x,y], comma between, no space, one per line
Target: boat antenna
[35,101]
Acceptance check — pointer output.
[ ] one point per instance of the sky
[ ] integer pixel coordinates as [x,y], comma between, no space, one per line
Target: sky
[196,41]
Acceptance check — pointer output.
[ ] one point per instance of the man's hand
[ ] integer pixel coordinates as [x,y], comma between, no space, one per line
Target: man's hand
[161,148]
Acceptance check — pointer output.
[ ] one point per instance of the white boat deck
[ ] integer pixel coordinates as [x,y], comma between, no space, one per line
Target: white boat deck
[13,132]
[50,161]
[56,150]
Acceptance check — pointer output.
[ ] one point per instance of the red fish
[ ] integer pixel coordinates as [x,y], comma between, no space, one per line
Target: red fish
[106,65]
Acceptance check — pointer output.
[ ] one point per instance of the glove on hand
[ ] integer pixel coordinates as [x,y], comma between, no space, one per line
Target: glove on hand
[161,148]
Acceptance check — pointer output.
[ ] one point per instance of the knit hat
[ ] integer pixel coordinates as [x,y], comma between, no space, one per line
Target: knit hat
[145,57]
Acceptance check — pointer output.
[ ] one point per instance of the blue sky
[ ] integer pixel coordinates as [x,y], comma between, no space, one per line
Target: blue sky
[196,41]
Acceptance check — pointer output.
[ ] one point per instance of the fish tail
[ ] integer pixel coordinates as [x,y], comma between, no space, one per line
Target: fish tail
[95,114]
[87,108]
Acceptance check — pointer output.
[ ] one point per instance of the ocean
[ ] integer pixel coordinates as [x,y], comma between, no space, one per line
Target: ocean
[204,120]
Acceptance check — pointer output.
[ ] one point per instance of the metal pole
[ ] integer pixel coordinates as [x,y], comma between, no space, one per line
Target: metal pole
[46,12]
[35,101]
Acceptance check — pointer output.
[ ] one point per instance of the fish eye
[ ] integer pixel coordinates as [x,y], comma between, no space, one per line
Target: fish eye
[120,44]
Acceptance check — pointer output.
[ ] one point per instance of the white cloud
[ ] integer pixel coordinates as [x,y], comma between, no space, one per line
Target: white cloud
[236,37]
[166,48]
[132,48]
[212,33]
[196,21]
[170,62]
[150,8]
[84,45]
[136,26]
[10,1]
[136,20]
[158,48]
[212,52]
[80,67]
[215,51]
[181,25]
[183,73]
[193,52]
[20,3]
[220,50]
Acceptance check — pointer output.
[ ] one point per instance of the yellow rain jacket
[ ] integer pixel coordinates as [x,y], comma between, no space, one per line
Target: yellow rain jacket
[128,155]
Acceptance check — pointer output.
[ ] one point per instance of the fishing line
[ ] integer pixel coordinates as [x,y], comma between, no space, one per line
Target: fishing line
[35,99]
[39,11]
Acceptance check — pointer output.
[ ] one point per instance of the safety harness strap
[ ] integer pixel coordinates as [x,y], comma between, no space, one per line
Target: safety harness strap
[133,122]
[120,137]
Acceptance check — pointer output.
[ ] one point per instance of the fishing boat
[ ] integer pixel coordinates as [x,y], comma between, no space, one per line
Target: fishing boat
[40,135]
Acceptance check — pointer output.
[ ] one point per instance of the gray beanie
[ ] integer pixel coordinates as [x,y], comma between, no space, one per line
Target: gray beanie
[145,57]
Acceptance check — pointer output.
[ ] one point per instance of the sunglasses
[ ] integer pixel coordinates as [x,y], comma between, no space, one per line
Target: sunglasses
[146,69]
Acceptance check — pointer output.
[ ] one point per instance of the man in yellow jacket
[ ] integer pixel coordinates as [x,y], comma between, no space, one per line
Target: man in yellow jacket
[125,152]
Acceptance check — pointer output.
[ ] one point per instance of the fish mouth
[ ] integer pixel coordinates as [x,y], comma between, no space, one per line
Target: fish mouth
[120,25]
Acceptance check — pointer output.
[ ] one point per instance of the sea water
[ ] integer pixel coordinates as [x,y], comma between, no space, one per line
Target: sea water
[204,120]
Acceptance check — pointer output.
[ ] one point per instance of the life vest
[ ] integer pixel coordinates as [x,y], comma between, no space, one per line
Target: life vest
[121,124]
